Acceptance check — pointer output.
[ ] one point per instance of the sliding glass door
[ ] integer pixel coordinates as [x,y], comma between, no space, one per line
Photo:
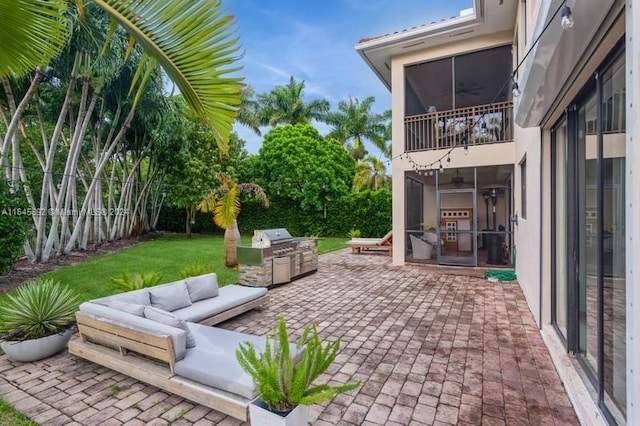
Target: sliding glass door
[589,284]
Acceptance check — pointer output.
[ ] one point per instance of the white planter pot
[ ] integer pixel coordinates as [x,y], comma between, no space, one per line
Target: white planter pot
[431,237]
[259,415]
[33,350]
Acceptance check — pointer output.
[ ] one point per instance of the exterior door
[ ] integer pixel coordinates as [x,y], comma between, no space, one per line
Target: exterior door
[457,227]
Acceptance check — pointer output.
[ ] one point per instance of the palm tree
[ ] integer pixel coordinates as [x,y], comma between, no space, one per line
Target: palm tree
[248,114]
[371,174]
[224,203]
[198,57]
[354,122]
[285,105]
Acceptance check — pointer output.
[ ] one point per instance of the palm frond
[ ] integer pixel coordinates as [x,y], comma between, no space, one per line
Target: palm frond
[227,208]
[33,32]
[193,42]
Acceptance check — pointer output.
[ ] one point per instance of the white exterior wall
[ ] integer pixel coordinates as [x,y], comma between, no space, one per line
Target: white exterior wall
[527,232]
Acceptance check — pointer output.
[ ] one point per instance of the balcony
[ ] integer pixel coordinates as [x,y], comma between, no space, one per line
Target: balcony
[481,124]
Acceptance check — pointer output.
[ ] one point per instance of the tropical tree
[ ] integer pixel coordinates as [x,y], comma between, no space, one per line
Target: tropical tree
[196,56]
[80,82]
[371,174]
[353,123]
[224,202]
[285,105]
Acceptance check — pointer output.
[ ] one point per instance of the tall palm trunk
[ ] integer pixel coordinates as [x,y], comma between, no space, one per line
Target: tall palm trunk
[231,241]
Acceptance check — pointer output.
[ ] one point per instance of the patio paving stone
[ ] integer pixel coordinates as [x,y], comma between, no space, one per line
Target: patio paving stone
[431,347]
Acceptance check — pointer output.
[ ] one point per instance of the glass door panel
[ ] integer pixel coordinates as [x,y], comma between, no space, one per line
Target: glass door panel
[588,232]
[613,240]
[560,234]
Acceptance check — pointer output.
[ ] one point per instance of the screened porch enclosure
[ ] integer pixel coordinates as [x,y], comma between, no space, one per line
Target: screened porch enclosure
[459,100]
[460,216]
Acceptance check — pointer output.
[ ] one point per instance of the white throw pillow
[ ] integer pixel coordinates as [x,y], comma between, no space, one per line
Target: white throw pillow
[171,297]
[167,318]
[202,287]
[131,308]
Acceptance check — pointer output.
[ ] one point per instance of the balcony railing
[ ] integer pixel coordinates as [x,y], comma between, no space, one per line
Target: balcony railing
[482,124]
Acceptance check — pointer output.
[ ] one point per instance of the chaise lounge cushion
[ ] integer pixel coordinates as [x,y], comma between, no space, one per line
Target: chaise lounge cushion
[170,297]
[229,297]
[202,287]
[213,361]
[178,336]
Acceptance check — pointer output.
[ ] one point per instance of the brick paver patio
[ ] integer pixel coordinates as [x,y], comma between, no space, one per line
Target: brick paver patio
[430,348]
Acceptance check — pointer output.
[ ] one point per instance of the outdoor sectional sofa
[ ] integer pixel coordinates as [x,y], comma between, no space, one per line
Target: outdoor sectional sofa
[162,336]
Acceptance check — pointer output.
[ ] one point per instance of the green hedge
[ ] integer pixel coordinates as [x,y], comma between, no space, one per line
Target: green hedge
[15,225]
[370,212]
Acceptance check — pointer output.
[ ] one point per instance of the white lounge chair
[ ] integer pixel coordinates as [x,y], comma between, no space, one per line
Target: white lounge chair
[360,245]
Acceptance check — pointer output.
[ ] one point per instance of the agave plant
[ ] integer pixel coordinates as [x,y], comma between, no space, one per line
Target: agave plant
[284,383]
[37,309]
[129,282]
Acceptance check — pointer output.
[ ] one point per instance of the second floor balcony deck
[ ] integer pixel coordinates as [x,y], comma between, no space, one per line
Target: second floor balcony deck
[481,124]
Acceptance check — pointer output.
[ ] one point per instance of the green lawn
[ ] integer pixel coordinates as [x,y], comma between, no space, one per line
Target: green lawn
[166,256]
[10,417]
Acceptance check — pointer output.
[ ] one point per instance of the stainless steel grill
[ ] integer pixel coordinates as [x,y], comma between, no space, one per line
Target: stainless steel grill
[276,257]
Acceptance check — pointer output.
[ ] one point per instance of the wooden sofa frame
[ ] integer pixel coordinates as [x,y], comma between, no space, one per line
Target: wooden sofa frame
[150,358]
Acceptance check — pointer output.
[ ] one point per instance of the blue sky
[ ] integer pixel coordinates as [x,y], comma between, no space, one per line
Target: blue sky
[314,41]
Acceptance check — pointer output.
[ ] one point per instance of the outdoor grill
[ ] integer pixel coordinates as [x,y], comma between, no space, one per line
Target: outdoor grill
[275,257]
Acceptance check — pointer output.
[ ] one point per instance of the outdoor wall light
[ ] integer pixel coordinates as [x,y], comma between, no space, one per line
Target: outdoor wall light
[515,89]
[567,18]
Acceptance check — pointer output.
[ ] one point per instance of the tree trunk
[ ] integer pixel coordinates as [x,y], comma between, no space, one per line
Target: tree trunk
[187,225]
[231,240]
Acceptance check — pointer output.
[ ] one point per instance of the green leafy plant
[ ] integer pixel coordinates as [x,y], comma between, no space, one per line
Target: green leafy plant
[129,282]
[284,383]
[37,309]
[354,233]
[428,226]
[194,270]
[15,224]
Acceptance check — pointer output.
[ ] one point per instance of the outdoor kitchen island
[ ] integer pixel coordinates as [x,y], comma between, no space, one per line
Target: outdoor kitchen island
[275,257]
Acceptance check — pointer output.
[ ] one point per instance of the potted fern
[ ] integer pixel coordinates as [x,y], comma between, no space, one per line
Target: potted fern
[36,320]
[285,380]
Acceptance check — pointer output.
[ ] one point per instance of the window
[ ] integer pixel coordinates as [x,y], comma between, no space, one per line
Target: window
[523,188]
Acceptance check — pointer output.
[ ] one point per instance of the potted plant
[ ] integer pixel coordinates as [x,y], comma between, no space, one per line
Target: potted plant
[430,234]
[285,380]
[36,320]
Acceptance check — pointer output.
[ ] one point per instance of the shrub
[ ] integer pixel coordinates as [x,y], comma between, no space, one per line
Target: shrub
[195,270]
[354,233]
[15,224]
[131,282]
[37,309]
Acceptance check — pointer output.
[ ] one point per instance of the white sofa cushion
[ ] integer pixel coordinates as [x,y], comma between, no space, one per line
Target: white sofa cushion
[170,297]
[202,287]
[178,335]
[167,318]
[213,361]
[229,297]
